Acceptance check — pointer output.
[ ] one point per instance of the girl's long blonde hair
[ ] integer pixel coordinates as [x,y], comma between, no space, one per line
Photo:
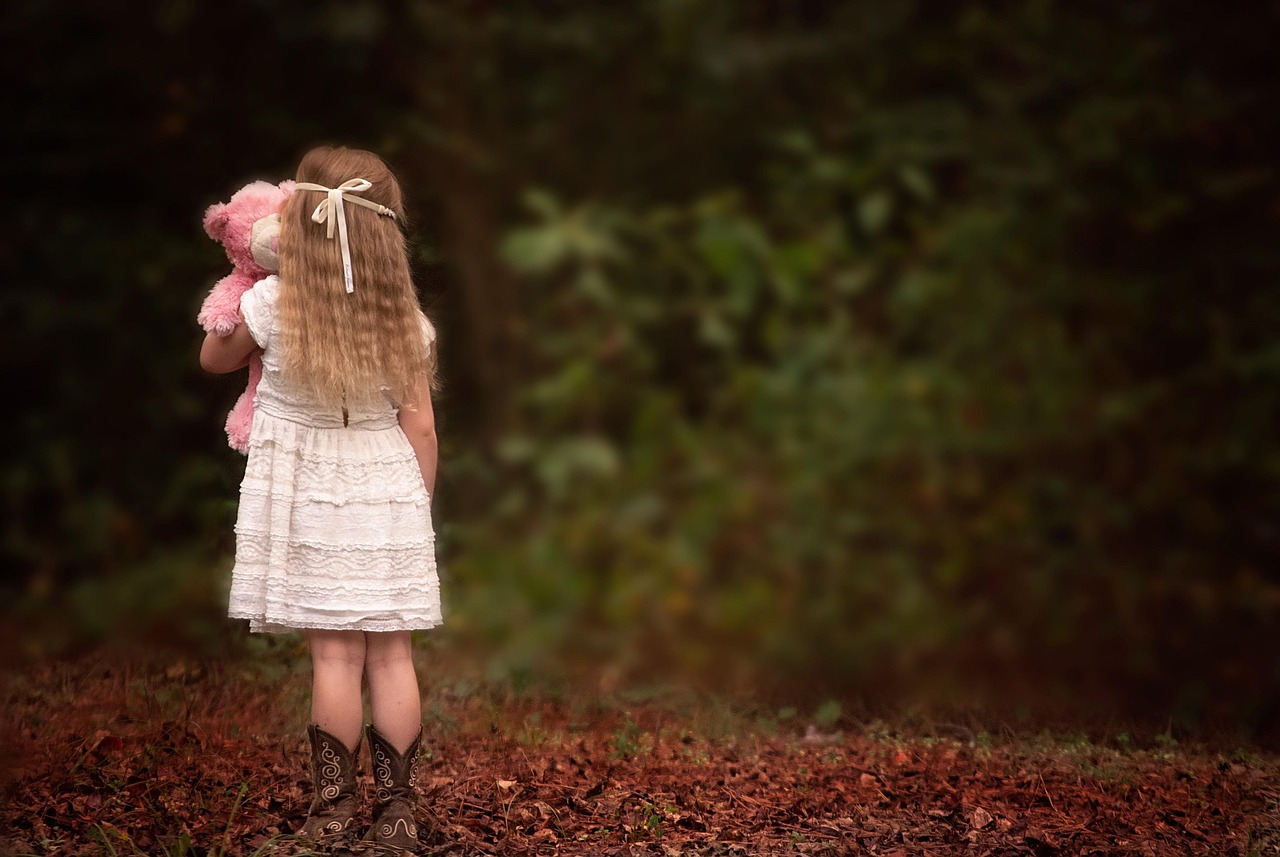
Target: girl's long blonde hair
[345,347]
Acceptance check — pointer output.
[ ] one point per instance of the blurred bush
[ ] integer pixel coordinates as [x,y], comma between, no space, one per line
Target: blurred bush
[810,346]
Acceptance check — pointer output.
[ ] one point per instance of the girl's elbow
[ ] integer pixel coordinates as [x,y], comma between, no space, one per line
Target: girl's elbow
[418,423]
[214,360]
[210,363]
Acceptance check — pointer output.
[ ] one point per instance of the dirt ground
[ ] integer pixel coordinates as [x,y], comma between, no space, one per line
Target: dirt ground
[177,757]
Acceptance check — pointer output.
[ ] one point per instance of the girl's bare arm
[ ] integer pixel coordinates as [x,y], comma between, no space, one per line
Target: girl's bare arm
[222,354]
[419,426]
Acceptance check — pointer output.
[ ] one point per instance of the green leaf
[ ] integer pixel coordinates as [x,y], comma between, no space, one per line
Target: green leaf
[874,211]
[541,202]
[918,182]
[828,713]
[535,250]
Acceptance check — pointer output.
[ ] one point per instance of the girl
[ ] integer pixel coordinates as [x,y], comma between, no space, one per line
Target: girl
[334,533]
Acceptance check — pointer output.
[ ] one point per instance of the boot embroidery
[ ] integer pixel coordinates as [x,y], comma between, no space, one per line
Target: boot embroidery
[389,830]
[330,773]
[382,773]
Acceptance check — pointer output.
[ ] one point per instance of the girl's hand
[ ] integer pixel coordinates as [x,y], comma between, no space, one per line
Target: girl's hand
[223,354]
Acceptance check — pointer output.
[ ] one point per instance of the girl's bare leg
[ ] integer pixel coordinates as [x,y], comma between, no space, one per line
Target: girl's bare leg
[393,687]
[337,662]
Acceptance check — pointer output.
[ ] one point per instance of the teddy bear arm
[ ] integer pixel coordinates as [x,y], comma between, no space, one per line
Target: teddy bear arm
[220,312]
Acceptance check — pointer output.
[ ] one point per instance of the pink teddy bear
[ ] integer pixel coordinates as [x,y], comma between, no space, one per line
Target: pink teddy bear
[248,226]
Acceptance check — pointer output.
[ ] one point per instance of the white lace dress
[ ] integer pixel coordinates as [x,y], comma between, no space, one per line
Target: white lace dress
[334,528]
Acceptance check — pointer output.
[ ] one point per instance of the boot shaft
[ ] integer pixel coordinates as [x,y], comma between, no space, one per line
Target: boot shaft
[332,765]
[395,774]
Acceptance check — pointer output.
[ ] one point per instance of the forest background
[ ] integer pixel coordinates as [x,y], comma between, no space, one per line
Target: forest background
[899,354]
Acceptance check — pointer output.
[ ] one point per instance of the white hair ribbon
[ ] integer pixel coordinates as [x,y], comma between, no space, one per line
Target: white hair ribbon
[330,210]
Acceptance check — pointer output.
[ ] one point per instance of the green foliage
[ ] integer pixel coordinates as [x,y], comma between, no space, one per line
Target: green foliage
[828,714]
[902,386]
[628,740]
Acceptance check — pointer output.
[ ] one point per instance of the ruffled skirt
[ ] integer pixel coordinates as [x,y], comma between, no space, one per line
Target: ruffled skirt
[334,531]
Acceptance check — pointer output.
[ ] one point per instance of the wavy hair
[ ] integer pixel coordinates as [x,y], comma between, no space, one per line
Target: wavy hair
[344,348]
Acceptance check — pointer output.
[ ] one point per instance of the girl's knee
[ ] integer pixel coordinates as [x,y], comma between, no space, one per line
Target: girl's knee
[337,647]
[387,647]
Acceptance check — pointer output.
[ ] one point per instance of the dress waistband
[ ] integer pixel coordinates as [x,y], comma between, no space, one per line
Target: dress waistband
[325,420]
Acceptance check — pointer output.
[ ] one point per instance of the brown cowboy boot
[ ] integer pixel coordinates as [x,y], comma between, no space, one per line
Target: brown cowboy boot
[395,793]
[333,769]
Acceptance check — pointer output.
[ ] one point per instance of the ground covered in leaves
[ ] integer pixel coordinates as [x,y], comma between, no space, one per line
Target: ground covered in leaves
[174,757]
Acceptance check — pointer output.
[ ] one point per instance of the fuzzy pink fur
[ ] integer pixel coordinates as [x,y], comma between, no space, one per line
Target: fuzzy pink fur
[231,225]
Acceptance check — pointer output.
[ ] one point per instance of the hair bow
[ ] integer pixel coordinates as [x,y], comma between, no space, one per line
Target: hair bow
[330,210]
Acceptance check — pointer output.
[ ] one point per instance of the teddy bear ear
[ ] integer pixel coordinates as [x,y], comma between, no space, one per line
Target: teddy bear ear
[215,221]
